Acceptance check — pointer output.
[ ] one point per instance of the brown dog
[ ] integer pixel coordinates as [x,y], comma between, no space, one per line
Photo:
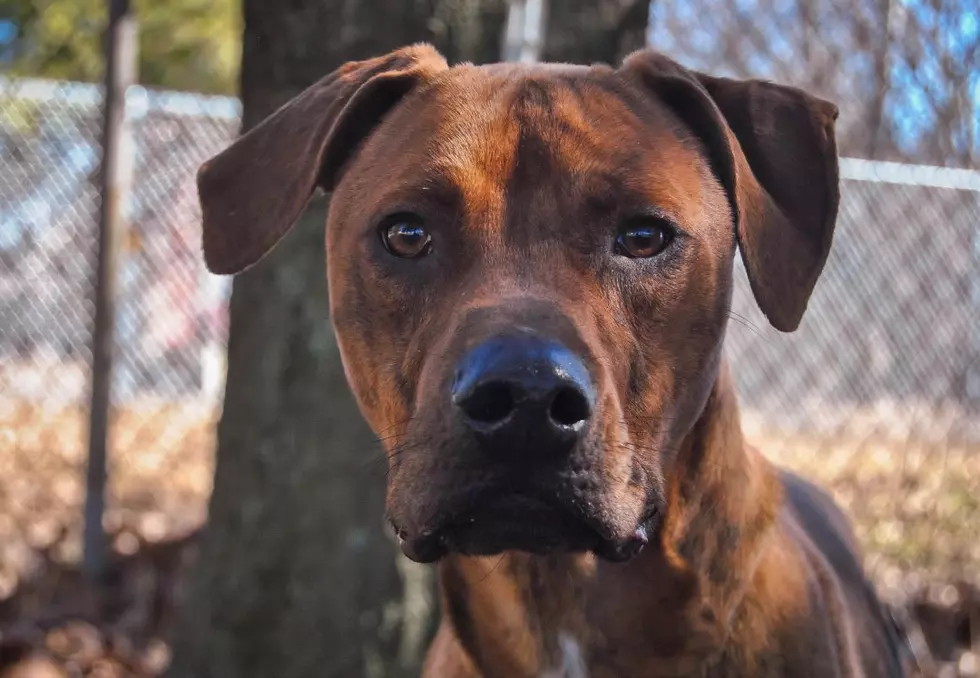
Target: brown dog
[530,276]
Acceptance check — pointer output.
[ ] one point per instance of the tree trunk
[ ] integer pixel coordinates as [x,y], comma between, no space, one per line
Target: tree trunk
[595,31]
[295,577]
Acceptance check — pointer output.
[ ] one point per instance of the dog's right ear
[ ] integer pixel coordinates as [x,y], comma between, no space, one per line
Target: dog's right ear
[252,192]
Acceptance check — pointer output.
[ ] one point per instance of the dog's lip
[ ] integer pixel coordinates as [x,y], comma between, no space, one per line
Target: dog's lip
[519,521]
[523,522]
[622,550]
[426,548]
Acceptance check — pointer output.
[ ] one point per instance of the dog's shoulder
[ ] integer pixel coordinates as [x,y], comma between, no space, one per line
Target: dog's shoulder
[829,530]
[824,522]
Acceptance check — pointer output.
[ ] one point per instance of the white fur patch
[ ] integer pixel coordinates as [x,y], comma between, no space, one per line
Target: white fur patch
[572,659]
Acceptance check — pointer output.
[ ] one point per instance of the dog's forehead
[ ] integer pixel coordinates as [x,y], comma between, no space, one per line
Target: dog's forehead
[513,133]
[581,117]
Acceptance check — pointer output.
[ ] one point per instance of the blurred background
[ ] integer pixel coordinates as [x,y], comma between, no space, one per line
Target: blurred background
[115,342]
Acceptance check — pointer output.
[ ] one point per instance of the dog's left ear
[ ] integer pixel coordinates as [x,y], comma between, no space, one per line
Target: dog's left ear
[774,150]
[253,191]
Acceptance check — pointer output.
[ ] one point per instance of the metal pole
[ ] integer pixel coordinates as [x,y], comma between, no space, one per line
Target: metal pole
[114,173]
[514,31]
[535,17]
[524,31]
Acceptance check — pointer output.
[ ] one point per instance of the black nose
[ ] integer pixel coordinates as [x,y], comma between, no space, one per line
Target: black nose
[521,394]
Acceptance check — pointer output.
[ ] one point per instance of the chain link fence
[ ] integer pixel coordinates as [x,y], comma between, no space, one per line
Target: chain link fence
[877,395]
[889,345]
[170,320]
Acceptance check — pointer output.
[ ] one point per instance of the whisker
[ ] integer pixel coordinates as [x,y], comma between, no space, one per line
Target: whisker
[493,569]
[741,319]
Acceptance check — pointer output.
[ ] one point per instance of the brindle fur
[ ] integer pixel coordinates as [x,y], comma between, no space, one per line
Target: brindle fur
[523,173]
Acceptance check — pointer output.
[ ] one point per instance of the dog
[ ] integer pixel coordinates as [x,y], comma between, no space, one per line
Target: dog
[530,275]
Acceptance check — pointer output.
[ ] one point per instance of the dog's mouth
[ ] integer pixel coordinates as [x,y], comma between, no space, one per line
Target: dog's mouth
[522,522]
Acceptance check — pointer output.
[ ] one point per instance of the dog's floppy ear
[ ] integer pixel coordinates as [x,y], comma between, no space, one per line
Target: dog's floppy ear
[774,150]
[252,192]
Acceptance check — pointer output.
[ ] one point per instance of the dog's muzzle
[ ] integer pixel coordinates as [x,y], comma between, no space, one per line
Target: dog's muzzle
[522,408]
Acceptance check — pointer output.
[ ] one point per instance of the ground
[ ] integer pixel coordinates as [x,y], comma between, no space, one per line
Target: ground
[915,505]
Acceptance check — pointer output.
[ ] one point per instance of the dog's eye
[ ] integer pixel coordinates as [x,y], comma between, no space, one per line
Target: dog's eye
[404,236]
[644,239]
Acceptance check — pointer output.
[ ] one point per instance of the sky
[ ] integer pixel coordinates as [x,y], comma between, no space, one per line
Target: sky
[913,88]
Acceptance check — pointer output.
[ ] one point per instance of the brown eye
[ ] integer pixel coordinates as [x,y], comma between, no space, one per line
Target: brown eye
[404,236]
[641,241]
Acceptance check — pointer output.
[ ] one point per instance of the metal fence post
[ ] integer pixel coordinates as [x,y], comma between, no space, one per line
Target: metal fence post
[973,366]
[121,47]
[524,32]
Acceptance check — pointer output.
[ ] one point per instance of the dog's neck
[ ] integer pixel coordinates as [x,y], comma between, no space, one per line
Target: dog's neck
[667,609]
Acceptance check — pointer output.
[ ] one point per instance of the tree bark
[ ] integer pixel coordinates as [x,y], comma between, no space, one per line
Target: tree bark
[296,577]
[595,31]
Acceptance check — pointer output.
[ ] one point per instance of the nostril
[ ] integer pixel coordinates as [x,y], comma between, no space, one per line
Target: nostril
[569,407]
[489,403]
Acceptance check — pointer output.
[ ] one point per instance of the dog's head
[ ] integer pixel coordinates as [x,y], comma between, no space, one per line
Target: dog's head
[530,271]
